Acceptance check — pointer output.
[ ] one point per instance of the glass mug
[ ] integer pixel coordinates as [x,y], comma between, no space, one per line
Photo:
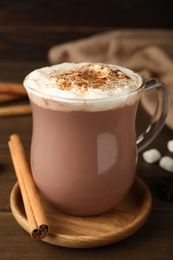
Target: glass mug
[84,151]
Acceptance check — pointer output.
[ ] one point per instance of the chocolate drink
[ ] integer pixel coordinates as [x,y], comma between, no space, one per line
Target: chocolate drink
[83,161]
[83,151]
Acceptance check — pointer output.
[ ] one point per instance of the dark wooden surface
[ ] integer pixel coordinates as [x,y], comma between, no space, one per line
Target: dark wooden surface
[104,13]
[29,28]
[153,241]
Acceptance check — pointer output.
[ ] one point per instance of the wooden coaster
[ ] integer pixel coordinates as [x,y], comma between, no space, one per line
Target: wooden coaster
[96,231]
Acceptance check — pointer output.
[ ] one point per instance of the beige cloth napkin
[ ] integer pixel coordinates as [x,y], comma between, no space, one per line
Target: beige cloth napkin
[149,52]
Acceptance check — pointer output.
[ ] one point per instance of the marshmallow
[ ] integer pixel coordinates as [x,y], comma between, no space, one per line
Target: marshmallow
[166,163]
[151,156]
[170,146]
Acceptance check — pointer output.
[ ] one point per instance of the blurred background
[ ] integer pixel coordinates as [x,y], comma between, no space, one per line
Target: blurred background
[29,28]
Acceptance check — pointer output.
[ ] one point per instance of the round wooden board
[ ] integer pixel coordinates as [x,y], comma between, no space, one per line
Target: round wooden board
[96,231]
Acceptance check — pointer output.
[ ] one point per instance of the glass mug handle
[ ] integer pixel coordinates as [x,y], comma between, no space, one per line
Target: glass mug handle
[158,119]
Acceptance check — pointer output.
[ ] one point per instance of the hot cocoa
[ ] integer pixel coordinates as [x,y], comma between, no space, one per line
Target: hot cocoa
[83,151]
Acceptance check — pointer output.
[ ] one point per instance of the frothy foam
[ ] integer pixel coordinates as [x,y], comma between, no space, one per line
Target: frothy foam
[84,86]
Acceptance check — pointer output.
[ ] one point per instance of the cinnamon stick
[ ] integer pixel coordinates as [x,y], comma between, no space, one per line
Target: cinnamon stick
[15,110]
[12,88]
[32,203]
[7,97]
[11,92]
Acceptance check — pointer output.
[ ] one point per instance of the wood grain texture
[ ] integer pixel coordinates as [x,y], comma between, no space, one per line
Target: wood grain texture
[29,28]
[86,232]
[86,13]
[34,43]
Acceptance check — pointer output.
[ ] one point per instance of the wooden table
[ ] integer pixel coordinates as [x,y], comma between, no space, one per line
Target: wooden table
[153,241]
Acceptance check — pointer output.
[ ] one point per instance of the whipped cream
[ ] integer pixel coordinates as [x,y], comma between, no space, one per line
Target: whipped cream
[82,86]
